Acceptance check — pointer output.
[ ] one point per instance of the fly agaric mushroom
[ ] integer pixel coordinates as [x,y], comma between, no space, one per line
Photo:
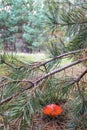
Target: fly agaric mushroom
[52,110]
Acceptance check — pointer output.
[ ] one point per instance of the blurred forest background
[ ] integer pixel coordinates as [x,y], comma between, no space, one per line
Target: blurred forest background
[43,60]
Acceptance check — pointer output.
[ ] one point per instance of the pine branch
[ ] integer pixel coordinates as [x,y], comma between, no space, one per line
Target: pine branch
[44,77]
[60,69]
[69,3]
[79,78]
[41,64]
[15,81]
[60,56]
[71,23]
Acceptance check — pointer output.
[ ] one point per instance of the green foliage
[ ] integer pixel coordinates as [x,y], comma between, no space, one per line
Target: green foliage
[24,17]
[55,47]
[73,20]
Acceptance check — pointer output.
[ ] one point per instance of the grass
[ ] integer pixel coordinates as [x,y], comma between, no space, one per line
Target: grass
[39,57]
[28,57]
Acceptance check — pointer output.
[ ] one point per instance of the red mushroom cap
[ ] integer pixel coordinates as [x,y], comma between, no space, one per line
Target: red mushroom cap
[52,110]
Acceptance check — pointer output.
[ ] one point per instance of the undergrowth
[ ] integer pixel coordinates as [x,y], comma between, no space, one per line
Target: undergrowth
[21,105]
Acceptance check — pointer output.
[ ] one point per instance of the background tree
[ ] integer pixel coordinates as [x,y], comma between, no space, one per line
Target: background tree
[21,24]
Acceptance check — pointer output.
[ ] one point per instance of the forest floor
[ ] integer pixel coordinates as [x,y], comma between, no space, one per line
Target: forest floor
[38,121]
